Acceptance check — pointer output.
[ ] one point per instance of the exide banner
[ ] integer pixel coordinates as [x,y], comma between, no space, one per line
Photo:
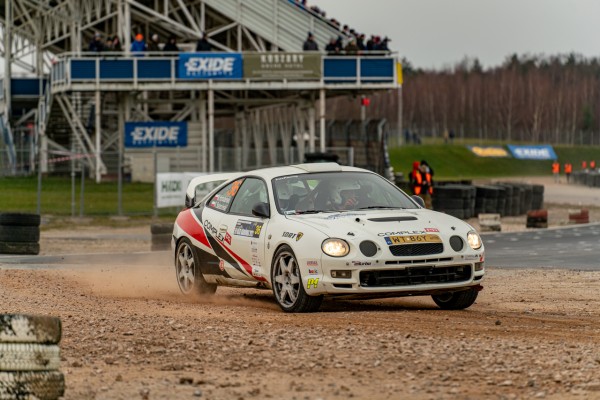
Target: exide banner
[537,152]
[156,134]
[210,66]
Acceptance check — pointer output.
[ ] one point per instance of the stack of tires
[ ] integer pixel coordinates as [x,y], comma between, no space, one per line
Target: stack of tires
[455,199]
[161,236]
[508,196]
[29,357]
[486,200]
[579,216]
[537,201]
[19,233]
[537,219]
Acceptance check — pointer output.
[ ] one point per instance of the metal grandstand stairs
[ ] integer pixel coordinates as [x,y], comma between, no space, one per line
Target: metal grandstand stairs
[280,22]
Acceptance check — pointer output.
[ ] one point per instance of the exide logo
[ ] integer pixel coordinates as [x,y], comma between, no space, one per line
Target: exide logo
[153,134]
[210,66]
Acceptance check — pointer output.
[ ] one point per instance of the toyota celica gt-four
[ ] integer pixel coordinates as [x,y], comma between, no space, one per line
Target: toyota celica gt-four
[313,230]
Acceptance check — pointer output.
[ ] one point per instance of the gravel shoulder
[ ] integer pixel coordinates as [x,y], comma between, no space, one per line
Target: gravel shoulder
[129,334]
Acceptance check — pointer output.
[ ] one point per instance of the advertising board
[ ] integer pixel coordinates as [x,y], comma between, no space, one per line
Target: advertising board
[155,134]
[227,66]
[489,151]
[295,66]
[533,152]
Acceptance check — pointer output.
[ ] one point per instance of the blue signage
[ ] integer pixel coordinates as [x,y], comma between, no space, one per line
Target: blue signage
[156,134]
[539,152]
[210,66]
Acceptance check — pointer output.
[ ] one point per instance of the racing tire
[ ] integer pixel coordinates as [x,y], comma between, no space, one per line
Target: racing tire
[187,270]
[19,248]
[456,300]
[29,357]
[287,284]
[20,234]
[47,385]
[20,219]
[20,328]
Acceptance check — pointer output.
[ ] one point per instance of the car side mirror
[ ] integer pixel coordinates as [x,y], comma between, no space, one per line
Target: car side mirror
[418,200]
[189,202]
[261,210]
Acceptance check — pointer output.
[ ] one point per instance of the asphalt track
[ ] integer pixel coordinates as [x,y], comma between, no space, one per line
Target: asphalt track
[573,247]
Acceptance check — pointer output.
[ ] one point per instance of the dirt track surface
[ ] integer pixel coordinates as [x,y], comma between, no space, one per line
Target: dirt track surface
[129,334]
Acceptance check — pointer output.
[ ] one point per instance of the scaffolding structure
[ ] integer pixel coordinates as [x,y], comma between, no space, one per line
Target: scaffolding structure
[57,100]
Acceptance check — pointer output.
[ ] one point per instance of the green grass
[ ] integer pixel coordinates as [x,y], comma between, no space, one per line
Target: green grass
[458,162]
[20,194]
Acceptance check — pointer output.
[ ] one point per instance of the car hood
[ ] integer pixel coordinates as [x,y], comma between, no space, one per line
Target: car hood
[382,223]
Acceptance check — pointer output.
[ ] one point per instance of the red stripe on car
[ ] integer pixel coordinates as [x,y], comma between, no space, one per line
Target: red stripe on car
[187,221]
[244,264]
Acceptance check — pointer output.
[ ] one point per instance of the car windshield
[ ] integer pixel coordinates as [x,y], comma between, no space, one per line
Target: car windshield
[337,192]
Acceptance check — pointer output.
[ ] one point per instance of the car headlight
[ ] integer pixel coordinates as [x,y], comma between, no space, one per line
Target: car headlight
[474,240]
[335,247]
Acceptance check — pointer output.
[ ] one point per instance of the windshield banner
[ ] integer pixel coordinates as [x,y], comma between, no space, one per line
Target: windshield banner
[489,151]
[210,66]
[156,134]
[539,152]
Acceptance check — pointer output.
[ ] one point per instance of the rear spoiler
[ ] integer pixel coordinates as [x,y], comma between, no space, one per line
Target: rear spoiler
[211,181]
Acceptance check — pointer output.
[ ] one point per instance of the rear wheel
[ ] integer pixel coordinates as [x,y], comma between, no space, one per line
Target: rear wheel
[187,269]
[287,284]
[456,300]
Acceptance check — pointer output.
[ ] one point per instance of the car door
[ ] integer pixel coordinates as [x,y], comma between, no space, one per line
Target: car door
[244,233]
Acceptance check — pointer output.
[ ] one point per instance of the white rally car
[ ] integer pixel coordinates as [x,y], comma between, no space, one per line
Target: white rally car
[313,230]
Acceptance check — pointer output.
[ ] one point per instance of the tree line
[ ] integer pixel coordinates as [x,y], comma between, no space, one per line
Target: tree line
[549,99]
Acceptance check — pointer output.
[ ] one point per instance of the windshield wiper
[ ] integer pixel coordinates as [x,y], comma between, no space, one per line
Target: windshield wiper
[381,207]
[314,212]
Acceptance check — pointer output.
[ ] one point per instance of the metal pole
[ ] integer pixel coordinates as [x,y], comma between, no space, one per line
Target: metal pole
[155,205]
[127,33]
[81,203]
[121,132]
[322,110]
[202,104]
[98,134]
[39,173]
[72,180]
[399,127]
[211,129]
[311,128]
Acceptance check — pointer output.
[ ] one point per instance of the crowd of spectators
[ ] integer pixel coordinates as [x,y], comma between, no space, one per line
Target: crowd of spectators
[139,45]
[350,41]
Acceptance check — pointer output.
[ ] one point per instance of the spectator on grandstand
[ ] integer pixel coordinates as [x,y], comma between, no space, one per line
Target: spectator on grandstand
[346,30]
[171,45]
[203,44]
[310,44]
[138,44]
[351,48]
[96,44]
[371,43]
[332,47]
[153,44]
[116,44]
[384,45]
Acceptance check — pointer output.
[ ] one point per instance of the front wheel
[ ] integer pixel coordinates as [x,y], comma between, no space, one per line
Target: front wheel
[456,300]
[187,268]
[287,284]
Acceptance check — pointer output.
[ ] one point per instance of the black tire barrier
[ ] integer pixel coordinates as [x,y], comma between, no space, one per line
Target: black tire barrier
[455,199]
[19,233]
[21,328]
[161,236]
[30,357]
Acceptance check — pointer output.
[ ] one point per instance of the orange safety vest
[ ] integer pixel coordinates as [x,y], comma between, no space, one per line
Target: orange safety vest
[583,164]
[429,185]
[418,181]
[568,168]
[592,164]
[555,168]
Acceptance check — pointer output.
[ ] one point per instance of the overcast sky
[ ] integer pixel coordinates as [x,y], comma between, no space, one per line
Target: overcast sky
[438,33]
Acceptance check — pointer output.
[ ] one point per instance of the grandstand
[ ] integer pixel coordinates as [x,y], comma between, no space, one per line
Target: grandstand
[255,100]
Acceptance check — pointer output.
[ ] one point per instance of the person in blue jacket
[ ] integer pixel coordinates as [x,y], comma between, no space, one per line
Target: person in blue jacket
[138,45]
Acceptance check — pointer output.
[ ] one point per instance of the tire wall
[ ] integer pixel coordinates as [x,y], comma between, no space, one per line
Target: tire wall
[505,198]
[19,233]
[162,234]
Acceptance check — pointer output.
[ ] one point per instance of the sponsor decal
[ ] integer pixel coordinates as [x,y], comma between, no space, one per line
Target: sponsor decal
[390,240]
[210,66]
[282,66]
[312,282]
[156,134]
[256,271]
[228,238]
[312,263]
[299,236]
[400,233]
[235,186]
[220,202]
[489,151]
[539,152]
[222,265]
[432,230]
[212,230]
[359,263]
[289,235]
[313,271]
[248,228]
[472,257]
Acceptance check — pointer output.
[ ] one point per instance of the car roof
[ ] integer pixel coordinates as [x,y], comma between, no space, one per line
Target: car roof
[296,169]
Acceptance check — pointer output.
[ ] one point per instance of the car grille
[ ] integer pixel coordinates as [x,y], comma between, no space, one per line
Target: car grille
[417,249]
[415,276]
